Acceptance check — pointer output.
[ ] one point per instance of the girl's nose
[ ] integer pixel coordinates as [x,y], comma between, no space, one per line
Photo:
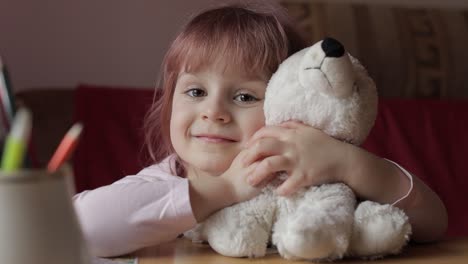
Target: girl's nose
[216,111]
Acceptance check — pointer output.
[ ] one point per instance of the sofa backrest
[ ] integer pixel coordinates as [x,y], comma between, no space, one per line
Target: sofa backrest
[110,146]
[425,136]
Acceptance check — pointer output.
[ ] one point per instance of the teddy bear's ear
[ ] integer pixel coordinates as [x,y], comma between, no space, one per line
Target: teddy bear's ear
[327,68]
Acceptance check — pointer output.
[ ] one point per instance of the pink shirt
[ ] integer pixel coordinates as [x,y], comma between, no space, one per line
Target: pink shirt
[141,210]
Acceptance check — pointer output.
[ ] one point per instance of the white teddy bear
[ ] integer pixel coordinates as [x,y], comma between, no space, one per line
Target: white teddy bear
[324,87]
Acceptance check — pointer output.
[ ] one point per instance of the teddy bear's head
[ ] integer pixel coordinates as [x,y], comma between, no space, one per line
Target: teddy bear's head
[324,87]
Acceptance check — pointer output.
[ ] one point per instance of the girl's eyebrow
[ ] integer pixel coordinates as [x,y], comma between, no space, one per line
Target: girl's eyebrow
[248,81]
[253,83]
[258,76]
[185,75]
[251,78]
[257,86]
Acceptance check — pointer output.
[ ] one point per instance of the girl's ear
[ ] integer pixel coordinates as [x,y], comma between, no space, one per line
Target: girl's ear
[329,75]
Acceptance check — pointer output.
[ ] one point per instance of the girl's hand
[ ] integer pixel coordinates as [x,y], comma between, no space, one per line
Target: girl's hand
[308,155]
[208,194]
[236,178]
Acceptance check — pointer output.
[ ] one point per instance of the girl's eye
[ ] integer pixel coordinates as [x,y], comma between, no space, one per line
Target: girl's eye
[195,92]
[246,98]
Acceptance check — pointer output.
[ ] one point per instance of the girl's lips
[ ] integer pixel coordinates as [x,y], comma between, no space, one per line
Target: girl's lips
[215,139]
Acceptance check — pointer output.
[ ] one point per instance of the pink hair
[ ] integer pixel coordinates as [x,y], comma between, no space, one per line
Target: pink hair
[256,37]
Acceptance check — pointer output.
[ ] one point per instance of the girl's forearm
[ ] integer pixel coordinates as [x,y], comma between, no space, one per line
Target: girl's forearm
[373,178]
[137,212]
[208,195]
[376,179]
[427,213]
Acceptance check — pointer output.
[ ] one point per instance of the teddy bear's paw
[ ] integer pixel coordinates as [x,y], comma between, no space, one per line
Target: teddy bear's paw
[296,246]
[249,240]
[312,239]
[379,230]
[243,229]
[240,246]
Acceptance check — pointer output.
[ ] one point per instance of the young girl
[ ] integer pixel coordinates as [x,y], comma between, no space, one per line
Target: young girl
[216,151]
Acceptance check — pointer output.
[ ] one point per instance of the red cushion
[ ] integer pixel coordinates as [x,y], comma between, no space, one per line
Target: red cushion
[427,137]
[111,144]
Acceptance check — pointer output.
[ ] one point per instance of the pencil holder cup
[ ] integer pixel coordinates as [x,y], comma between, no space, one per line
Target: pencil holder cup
[38,223]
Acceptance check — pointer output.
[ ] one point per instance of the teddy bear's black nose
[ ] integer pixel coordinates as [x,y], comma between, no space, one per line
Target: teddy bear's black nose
[332,47]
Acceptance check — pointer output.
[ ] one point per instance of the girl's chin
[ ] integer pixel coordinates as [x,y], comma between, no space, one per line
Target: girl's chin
[210,164]
[212,167]
[211,171]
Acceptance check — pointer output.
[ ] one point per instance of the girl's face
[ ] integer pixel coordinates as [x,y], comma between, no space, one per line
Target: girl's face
[214,112]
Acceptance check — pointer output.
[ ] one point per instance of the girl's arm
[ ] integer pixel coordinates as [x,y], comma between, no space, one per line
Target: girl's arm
[153,206]
[137,211]
[379,180]
[315,158]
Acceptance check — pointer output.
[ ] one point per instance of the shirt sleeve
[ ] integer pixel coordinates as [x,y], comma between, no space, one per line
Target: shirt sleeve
[135,212]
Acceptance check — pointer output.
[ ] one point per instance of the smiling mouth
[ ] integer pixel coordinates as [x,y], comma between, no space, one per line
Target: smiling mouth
[215,139]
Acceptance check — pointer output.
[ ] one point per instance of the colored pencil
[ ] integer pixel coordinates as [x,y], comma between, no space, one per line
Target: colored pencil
[65,148]
[17,141]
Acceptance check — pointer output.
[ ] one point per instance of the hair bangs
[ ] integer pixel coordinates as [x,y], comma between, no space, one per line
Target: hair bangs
[255,45]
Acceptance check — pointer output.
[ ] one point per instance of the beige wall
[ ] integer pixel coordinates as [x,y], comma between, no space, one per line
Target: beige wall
[60,43]
[63,42]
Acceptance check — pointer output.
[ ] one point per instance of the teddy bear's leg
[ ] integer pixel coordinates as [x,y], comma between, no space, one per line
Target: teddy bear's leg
[378,230]
[316,225]
[244,229]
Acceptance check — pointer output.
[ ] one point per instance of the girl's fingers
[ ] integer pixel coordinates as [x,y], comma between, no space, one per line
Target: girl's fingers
[291,185]
[267,131]
[292,124]
[267,168]
[267,180]
[275,131]
[263,148]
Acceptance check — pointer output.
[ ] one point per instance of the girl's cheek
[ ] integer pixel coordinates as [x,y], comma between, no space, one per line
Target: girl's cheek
[257,122]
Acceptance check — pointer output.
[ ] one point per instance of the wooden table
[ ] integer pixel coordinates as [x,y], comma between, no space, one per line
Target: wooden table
[182,251]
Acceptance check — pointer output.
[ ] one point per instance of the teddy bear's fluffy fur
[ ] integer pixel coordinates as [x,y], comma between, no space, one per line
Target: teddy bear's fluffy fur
[325,87]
